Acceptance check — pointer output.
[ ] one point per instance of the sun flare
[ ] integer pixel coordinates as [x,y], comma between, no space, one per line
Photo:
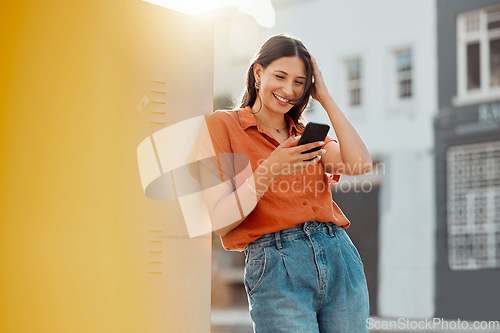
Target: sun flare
[261,10]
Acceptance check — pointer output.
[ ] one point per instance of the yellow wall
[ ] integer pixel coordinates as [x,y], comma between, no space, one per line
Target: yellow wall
[82,249]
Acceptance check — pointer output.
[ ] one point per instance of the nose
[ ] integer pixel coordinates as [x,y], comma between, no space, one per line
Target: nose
[288,89]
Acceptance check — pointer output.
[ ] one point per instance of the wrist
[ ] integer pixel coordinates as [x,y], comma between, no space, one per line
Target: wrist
[260,180]
[325,99]
[265,170]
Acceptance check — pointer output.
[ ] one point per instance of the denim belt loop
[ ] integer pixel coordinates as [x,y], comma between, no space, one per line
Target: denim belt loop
[245,251]
[330,229]
[277,236]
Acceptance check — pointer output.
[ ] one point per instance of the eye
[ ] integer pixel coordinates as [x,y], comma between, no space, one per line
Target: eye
[299,82]
[280,77]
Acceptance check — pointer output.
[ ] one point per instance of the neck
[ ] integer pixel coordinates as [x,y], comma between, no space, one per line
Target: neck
[274,120]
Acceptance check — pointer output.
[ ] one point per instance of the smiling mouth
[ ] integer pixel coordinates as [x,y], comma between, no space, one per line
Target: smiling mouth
[281,99]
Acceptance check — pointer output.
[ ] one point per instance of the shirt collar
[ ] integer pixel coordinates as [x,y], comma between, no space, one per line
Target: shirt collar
[247,119]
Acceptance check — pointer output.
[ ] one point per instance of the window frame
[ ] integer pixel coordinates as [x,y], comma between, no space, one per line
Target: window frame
[469,171]
[348,84]
[395,100]
[485,93]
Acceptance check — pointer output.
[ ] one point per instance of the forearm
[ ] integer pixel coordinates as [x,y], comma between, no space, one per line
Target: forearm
[232,209]
[355,156]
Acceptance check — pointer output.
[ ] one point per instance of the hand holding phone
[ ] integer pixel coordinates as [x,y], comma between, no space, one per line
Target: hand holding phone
[312,133]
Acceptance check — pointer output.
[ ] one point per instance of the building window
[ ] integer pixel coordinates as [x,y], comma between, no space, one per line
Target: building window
[473,79]
[478,55]
[403,62]
[495,62]
[474,206]
[354,82]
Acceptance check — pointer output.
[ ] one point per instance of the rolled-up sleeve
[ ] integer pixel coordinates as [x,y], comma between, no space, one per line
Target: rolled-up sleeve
[332,178]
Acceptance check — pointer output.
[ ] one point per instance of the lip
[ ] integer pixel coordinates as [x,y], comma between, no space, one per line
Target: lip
[280,102]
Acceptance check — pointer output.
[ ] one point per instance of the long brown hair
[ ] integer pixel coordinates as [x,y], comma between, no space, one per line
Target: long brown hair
[276,47]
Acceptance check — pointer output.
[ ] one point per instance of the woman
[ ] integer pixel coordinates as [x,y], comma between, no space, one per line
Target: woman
[302,272]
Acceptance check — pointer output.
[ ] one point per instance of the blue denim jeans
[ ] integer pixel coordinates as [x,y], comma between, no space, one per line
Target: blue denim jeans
[309,278]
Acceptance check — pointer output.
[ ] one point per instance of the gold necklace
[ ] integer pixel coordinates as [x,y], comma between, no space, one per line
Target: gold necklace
[276,129]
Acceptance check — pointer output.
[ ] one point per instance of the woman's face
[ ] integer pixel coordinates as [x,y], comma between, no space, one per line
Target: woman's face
[283,80]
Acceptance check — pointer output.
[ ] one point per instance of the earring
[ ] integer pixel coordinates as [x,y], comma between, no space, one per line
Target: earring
[257,85]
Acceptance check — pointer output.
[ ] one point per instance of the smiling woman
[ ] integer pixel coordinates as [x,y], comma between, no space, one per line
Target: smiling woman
[285,87]
[281,70]
[267,197]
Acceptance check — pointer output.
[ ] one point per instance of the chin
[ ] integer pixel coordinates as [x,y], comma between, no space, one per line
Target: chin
[282,110]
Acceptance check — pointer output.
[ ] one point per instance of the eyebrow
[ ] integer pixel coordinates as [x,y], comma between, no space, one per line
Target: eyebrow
[279,70]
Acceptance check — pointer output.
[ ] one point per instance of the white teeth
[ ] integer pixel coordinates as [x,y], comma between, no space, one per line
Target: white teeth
[281,99]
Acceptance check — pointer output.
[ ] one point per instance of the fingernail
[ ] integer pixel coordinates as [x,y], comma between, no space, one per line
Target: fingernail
[323,151]
[322,142]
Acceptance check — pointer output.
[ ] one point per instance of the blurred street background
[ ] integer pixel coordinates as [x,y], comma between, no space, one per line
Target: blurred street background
[420,81]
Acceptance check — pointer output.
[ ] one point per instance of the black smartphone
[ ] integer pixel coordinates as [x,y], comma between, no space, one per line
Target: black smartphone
[312,133]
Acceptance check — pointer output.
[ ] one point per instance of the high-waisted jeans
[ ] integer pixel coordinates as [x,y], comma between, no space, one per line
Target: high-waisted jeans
[309,278]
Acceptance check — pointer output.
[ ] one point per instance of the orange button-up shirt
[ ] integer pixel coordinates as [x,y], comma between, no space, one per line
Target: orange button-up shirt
[290,200]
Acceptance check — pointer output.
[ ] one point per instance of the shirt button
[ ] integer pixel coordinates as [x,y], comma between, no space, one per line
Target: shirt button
[304,203]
